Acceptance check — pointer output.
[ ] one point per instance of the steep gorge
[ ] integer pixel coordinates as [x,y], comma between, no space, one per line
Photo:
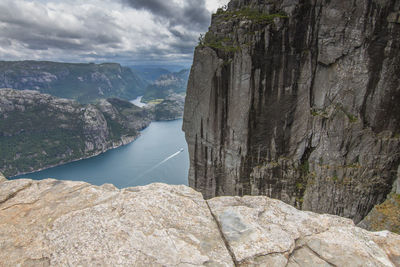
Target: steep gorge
[298,100]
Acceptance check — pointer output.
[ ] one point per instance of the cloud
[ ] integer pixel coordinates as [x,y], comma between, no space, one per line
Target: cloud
[191,13]
[123,31]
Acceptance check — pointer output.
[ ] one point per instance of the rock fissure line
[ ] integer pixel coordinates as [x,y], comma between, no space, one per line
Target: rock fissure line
[10,196]
[20,204]
[93,234]
[262,255]
[226,242]
[319,256]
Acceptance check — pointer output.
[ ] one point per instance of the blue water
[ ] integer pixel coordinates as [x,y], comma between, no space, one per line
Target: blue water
[155,156]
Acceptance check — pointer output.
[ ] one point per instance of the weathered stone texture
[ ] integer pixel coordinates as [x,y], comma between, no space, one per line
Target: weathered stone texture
[303,108]
[62,223]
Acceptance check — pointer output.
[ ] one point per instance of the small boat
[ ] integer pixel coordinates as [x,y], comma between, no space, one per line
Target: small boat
[181,150]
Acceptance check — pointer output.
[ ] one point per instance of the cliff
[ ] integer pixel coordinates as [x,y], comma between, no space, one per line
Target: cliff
[39,130]
[82,82]
[298,100]
[60,223]
[385,216]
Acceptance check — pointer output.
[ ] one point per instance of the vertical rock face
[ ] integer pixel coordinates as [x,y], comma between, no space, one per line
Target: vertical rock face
[298,100]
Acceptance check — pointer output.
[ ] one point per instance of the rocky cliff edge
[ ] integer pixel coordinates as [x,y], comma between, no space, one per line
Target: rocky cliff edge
[61,223]
[298,101]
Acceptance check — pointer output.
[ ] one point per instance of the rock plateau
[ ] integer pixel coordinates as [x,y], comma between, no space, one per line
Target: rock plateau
[62,223]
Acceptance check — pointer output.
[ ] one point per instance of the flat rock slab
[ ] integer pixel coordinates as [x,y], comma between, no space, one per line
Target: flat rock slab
[69,223]
[63,223]
[266,232]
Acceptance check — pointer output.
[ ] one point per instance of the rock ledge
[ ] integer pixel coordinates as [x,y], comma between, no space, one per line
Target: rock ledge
[60,223]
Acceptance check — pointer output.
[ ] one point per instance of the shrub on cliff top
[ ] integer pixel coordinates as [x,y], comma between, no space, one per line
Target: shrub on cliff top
[250,14]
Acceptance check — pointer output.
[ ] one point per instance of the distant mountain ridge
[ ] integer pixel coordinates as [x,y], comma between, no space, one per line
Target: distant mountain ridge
[84,82]
[149,73]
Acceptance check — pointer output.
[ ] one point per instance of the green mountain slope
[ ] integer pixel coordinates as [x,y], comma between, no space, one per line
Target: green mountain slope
[39,130]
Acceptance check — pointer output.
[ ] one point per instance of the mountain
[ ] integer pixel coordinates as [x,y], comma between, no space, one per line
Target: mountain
[166,85]
[299,101]
[39,131]
[150,73]
[82,82]
[65,223]
[170,108]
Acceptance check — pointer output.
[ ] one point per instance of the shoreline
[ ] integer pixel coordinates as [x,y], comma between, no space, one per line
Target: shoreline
[113,146]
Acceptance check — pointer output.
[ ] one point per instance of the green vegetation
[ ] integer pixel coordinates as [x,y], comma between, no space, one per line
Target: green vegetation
[225,43]
[304,167]
[35,138]
[48,133]
[386,215]
[252,14]
[320,113]
[352,118]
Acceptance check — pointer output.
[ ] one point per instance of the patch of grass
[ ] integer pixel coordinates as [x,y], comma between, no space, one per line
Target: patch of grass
[212,41]
[386,215]
[255,15]
[352,118]
[299,186]
[304,167]
[321,113]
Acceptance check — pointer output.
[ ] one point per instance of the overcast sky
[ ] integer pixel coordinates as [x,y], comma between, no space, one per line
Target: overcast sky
[124,31]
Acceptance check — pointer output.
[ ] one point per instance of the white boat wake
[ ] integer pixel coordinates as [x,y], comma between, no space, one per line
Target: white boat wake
[162,162]
[157,165]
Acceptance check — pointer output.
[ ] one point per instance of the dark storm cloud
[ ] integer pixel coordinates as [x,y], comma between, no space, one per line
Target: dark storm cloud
[101,30]
[183,20]
[40,33]
[192,13]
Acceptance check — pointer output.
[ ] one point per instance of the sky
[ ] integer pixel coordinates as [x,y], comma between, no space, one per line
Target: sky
[129,32]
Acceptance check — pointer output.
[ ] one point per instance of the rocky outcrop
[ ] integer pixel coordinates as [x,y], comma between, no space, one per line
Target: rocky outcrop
[82,82]
[385,216]
[167,85]
[59,223]
[170,108]
[298,100]
[39,130]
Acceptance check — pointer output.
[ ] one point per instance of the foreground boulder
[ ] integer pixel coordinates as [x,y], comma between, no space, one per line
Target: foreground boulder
[61,223]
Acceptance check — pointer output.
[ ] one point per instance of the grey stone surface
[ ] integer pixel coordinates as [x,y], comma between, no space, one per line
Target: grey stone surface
[303,108]
[266,232]
[63,223]
[71,223]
